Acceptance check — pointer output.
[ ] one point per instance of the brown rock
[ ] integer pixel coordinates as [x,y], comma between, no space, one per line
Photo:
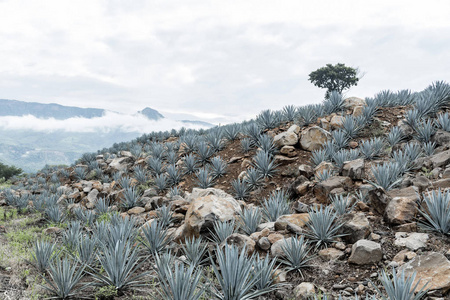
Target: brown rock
[295,219]
[241,241]
[288,151]
[354,169]
[323,189]
[136,210]
[401,210]
[274,237]
[314,138]
[355,227]
[287,138]
[331,254]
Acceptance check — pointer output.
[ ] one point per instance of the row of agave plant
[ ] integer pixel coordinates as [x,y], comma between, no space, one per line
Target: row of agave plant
[112,251]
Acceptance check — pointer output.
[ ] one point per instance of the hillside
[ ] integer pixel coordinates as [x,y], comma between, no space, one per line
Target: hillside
[347,199]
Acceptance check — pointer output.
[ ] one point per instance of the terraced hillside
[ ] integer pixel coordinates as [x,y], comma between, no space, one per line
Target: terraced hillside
[347,199]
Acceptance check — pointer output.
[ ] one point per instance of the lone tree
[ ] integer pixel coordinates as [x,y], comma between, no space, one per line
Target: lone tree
[334,78]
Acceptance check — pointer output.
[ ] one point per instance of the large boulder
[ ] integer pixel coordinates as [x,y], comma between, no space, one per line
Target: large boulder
[432,269]
[120,163]
[365,252]
[401,210]
[323,189]
[287,138]
[208,206]
[314,138]
[442,138]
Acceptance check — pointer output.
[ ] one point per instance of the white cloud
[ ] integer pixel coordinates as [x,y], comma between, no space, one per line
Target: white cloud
[110,121]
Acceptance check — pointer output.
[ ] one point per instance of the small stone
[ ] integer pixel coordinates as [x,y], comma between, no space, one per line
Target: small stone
[340,246]
[136,210]
[375,237]
[263,243]
[331,254]
[274,237]
[304,290]
[289,151]
[365,252]
[52,230]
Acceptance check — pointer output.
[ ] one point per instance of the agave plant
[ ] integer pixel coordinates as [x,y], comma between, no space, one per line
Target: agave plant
[218,167]
[72,235]
[204,179]
[222,230]
[264,164]
[80,173]
[190,164]
[308,114]
[250,218]
[290,113]
[253,178]
[241,189]
[351,126]
[341,204]
[204,152]
[102,205]
[266,144]
[323,226]
[130,198]
[194,250]
[296,254]
[172,157]
[340,138]
[372,148]
[275,206]
[400,286]
[232,132]
[429,148]
[395,136]
[119,262]
[140,174]
[174,176]
[334,103]
[267,119]
[425,131]
[160,182]
[436,211]
[388,175]
[319,156]
[44,252]
[86,249]
[156,237]
[324,175]
[236,275]
[65,275]
[54,214]
[443,122]
[165,215]
[265,270]
[155,165]
[183,283]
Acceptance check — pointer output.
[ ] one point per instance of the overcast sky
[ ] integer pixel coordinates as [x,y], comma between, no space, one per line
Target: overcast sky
[222,60]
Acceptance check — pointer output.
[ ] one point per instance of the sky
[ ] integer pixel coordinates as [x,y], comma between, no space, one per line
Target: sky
[222,61]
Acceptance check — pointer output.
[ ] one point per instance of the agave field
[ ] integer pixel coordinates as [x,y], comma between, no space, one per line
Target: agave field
[347,199]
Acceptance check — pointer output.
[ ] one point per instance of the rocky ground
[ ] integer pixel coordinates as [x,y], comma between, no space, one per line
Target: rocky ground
[381,228]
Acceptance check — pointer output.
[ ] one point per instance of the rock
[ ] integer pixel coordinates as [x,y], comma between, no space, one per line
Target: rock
[151,203]
[288,151]
[314,138]
[441,184]
[378,199]
[241,241]
[336,122]
[441,159]
[274,237]
[325,124]
[136,210]
[287,138]
[409,192]
[304,290]
[441,137]
[325,165]
[300,207]
[412,240]
[207,206]
[120,163]
[269,225]
[295,129]
[365,252]
[52,230]
[303,188]
[323,189]
[403,256]
[331,254]
[422,183]
[354,169]
[352,102]
[277,248]
[400,210]
[432,268]
[358,111]
[150,193]
[263,243]
[355,227]
[306,170]
[294,219]
[92,198]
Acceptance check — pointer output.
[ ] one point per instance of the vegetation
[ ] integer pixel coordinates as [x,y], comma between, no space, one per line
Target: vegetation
[7,172]
[334,78]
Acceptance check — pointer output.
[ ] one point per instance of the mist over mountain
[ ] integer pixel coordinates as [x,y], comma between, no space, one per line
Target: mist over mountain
[36,134]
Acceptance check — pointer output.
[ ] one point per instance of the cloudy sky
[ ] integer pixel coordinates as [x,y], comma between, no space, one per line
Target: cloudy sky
[220,60]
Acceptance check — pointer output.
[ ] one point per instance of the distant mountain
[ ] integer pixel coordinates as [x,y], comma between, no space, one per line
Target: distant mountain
[31,150]
[151,113]
[45,111]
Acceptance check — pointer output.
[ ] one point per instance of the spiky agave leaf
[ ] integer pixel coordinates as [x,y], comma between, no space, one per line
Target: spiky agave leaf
[156,237]
[250,218]
[296,254]
[275,206]
[194,249]
[222,230]
[323,226]
[43,254]
[436,211]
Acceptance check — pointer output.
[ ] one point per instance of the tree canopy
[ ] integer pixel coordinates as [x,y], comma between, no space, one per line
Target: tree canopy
[334,78]
[8,171]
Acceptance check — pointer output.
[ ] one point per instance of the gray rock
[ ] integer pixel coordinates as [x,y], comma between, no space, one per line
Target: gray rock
[441,137]
[120,163]
[92,199]
[263,243]
[441,159]
[277,248]
[295,129]
[304,290]
[411,240]
[356,227]
[365,252]
[287,138]
[354,169]
[241,241]
[422,183]
[306,170]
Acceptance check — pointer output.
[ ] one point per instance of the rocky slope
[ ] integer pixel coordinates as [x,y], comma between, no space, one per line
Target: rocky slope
[360,187]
